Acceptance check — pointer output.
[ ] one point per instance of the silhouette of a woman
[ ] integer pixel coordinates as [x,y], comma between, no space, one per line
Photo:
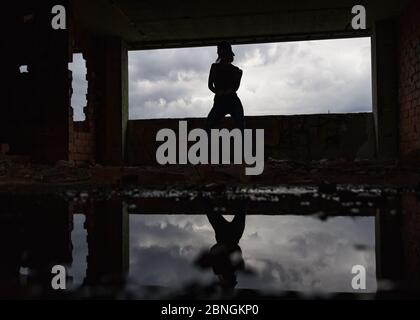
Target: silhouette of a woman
[225,257]
[224,81]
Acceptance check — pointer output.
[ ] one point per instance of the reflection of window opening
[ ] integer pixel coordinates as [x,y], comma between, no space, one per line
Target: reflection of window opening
[23,69]
[23,275]
[80,250]
[79,86]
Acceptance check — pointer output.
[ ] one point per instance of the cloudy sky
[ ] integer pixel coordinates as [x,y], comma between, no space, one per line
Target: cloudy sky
[279,78]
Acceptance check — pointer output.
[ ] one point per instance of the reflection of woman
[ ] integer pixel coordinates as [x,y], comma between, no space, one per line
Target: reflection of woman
[225,257]
[224,81]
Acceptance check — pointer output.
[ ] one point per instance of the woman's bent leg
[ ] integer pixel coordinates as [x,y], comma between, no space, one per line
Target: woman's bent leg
[216,114]
[237,113]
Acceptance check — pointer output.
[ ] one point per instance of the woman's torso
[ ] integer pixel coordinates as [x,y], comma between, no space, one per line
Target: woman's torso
[226,76]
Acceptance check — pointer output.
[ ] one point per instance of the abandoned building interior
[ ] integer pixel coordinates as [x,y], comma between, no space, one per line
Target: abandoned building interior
[38,121]
[44,150]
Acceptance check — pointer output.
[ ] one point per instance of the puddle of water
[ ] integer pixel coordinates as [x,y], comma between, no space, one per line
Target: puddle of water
[150,249]
[280,253]
[80,249]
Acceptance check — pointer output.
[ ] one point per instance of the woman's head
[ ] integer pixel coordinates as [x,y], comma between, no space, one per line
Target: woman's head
[224,52]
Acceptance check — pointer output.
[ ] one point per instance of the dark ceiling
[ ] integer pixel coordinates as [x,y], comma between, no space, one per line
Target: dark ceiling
[153,24]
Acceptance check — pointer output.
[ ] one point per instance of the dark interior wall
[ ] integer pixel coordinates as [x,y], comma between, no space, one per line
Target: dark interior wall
[35,113]
[409,80]
[410,204]
[300,137]
[36,106]
[108,234]
[10,60]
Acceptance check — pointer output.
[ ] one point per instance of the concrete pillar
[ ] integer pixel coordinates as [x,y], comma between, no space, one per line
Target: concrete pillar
[385,87]
[53,104]
[410,204]
[388,241]
[112,113]
[47,237]
[37,103]
[108,242]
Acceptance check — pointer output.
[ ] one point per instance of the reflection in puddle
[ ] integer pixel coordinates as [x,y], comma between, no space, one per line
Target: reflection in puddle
[280,252]
[80,250]
[149,248]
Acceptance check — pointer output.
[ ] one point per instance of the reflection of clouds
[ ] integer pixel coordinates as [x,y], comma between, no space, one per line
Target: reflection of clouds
[286,252]
[163,248]
[80,250]
[279,78]
[168,266]
[167,231]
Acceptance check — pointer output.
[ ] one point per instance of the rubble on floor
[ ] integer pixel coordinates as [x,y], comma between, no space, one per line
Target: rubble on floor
[15,171]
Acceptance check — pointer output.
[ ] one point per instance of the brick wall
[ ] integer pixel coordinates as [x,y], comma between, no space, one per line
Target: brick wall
[409,80]
[82,133]
[81,142]
[299,137]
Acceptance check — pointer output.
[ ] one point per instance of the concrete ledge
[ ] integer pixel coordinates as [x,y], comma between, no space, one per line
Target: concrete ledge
[298,137]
